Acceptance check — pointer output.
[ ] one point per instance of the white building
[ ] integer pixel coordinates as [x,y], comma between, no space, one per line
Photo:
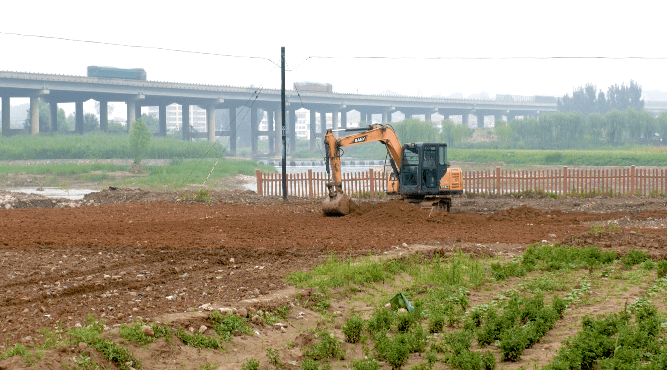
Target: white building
[175,117]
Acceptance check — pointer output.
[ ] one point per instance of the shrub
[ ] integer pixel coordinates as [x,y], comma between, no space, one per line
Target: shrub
[370,364]
[436,323]
[661,268]
[328,347]
[634,257]
[250,364]
[352,329]
[139,139]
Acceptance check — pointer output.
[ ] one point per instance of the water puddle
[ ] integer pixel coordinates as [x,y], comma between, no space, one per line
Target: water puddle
[72,194]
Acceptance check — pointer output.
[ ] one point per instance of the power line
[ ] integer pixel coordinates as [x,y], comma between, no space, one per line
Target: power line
[140,46]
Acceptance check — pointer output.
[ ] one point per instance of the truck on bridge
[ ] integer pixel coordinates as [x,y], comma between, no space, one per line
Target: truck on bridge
[113,72]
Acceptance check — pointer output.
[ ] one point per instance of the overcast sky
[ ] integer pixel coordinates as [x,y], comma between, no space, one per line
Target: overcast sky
[498,30]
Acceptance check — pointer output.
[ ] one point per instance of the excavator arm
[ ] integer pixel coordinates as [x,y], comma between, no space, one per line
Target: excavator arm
[337,202]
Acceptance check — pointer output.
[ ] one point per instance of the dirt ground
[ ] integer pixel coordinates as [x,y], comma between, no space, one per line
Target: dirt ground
[123,254]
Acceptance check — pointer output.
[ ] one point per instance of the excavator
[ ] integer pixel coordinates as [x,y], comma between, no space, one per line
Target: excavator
[420,172]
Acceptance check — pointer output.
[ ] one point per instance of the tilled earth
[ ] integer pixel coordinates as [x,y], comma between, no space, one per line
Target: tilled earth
[124,254]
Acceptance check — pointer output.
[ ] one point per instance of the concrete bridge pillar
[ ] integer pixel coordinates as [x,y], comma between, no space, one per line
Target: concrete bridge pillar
[385,116]
[137,109]
[34,115]
[323,123]
[53,116]
[407,115]
[480,120]
[232,130]
[278,133]
[210,123]
[185,121]
[510,117]
[254,127]
[104,116]
[343,119]
[131,110]
[78,117]
[162,112]
[497,118]
[291,130]
[269,128]
[313,129]
[464,119]
[334,120]
[5,115]
[427,117]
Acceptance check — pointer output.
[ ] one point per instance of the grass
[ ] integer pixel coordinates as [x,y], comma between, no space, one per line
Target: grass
[99,145]
[175,176]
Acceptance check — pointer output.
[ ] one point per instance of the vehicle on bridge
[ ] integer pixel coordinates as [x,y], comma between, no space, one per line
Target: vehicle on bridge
[313,86]
[113,72]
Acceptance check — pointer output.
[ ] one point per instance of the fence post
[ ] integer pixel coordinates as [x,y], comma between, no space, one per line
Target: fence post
[310,183]
[372,180]
[498,180]
[632,180]
[564,180]
[258,174]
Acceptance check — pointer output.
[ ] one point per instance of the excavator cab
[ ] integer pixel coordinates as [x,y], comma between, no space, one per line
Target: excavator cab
[422,167]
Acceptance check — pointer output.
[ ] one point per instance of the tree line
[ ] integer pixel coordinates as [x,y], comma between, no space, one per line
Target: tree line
[574,130]
[588,99]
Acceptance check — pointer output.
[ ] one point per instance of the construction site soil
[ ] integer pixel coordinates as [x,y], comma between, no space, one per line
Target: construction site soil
[123,254]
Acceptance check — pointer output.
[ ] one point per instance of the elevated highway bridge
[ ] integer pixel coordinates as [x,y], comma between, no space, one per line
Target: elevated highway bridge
[55,89]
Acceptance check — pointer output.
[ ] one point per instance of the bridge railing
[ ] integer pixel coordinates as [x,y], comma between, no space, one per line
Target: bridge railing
[564,181]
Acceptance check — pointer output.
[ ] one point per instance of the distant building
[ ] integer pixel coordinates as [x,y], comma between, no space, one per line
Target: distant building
[175,117]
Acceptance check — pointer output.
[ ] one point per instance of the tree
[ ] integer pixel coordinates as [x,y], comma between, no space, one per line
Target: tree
[139,139]
[90,123]
[415,131]
[584,99]
[152,122]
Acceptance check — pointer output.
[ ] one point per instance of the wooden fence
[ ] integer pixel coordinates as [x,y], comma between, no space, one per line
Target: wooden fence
[617,181]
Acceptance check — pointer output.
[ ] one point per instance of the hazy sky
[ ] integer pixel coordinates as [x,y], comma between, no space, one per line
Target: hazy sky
[498,30]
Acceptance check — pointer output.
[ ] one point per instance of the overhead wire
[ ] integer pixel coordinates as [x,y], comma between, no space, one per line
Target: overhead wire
[139,46]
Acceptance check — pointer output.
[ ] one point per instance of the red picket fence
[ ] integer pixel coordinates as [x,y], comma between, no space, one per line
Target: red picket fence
[617,181]
[632,180]
[313,184]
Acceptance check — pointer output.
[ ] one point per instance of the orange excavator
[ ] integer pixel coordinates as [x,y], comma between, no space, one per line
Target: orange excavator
[420,172]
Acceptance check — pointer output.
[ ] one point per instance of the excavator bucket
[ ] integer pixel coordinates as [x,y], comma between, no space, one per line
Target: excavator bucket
[338,205]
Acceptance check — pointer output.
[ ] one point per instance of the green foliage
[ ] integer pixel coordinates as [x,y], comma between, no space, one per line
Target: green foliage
[352,329]
[436,322]
[381,320]
[226,325]
[197,340]
[91,335]
[661,268]
[310,364]
[416,131]
[274,358]
[459,356]
[395,351]
[328,347]
[370,364]
[134,333]
[139,139]
[99,146]
[250,364]
[634,257]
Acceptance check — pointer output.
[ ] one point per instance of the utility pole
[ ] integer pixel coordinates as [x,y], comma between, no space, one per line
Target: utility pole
[282,116]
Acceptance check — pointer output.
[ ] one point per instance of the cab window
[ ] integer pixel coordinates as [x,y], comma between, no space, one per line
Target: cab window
[442,155]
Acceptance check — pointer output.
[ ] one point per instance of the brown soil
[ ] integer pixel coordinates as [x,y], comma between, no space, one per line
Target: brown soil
[123,254]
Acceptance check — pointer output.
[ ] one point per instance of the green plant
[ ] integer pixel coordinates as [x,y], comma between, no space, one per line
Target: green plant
[226,325]
[250,364]
[274,358]
[138,139]
[208,366]
[634,257]
[90,334]
[328,347]
[197,340]
[135,334]
[369,364]
[436,322]
[661,268]
[352,329]
[393,350]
